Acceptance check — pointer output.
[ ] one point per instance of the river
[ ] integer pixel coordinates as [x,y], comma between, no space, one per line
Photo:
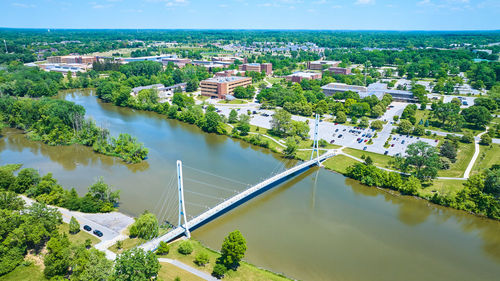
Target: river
[317,226]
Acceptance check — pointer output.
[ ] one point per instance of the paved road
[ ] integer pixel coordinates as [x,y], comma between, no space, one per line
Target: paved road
[188,268]
[476,154]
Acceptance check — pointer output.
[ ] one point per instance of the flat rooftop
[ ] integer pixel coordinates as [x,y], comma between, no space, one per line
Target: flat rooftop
[225,79]
[304,74]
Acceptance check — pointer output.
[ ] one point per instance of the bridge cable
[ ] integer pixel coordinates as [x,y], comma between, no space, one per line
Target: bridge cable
[215,175]
[208,184]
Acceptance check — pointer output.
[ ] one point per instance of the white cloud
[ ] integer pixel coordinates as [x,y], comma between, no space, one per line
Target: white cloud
[22,5]
[364,2]
[424,2]
[171,3]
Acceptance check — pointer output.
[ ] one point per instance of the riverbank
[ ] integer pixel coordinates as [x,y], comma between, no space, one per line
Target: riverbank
[441,191]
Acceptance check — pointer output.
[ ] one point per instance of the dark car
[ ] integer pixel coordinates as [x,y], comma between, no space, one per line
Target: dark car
[403,142]
[98,233]
[336,130]
[87,228]
[386,152]
[364,148]
[358,139]
[392,145]
[332,141]
[340,136]
[344,130]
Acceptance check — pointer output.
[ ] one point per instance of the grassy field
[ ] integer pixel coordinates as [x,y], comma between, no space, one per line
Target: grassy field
[464,155]
[444,187]
[244,272]
[274,80]
[169,272]
[78,238]
[339,163]
[426,114]
[128,243]
[22,273]
[378,159]
[488,155]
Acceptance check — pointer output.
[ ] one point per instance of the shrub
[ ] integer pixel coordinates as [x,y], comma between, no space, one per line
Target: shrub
[185,248]
[163,248]
[467,138]
[201,259]
[485,139]
[219,271]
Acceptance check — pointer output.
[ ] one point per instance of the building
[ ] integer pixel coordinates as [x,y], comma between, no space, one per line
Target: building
[229,59]
[176,61]
[149,58]
[164,93]
[301,75]
[322,64]
[257,67]
[209,65]
[340,70]
[229,73]
[375,89]
[64,68]
[219,87]
[71,59]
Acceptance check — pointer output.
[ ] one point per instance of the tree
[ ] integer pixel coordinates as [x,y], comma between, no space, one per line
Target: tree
[74,226]
[26,179]
[136,264]
[368,160]
[405,127]
[281,122]
[377,125]
[291,148]
[364,122]
[192,85]
[419,130]
[485,139]
[90,265]
[233,249]
[424,160]
[479,116]
[201,258]
[411,186]
[146,226]
[448,150]
[321,107]
[341,117]
[185,248]
[163,248]
[57,260]
[243,125]
[492,182]
[233,116]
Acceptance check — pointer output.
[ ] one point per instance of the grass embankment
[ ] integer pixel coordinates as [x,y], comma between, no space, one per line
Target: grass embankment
[488,156]
[30,272]
[78,238]
[235,101]
[443,187]
[339,163]
[464,155]
[130,242]
[245,271]
[426,115]
[169,272]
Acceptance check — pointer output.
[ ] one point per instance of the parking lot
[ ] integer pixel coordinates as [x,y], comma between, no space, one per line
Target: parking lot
[344,135]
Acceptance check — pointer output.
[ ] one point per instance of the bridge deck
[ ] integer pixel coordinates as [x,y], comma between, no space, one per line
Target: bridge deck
[232,202]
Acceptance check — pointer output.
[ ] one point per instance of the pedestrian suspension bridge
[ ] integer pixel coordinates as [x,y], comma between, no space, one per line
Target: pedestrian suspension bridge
[184,226]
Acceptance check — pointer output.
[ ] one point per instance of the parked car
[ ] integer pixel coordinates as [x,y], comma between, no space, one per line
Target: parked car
[98,233]
[386,152]
[254,112]
[411,137]
[366,140]
[436,141]
[344,130]
[336,130]
[465,103]
[332,141]
[403,142]
[364,148]
[333,135]
[358,139]
[87,228]
[392,145]
[340,136]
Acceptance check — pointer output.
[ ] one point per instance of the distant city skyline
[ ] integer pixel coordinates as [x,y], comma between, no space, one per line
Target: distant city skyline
[254,14]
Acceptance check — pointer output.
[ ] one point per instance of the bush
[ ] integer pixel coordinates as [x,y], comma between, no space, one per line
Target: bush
[219,271]
[201,259]
[74,226]
[163,248]
[467,138]
[185,248]
[146,226]
[485,139]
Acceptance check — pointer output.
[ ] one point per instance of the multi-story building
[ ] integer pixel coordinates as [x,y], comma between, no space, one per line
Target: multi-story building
[340,70]
[257,67]
[229,73]
[322,64]
[229,59]
[71,59]
[220,87]
[301,75]
[375,89]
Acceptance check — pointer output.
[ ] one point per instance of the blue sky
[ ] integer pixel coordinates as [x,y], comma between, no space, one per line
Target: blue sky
[254,14]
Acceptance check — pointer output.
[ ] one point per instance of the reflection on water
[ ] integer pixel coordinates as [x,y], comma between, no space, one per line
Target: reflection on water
[317,226]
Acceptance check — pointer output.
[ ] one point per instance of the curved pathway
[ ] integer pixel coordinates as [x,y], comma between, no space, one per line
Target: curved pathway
[188,268]
[476,154]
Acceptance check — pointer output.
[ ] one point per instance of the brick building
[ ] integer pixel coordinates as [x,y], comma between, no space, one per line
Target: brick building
[301,75]
[257,67]
[219,87]
[340,70]
[320,64]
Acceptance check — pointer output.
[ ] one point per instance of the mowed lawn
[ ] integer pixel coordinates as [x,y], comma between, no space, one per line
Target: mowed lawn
[488,156]
[378,159]
[245,271]
[464,155]
[339,163]
[169,272]
[78,238]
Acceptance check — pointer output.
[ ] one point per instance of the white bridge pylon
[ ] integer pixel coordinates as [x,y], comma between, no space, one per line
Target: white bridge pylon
[182,206]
